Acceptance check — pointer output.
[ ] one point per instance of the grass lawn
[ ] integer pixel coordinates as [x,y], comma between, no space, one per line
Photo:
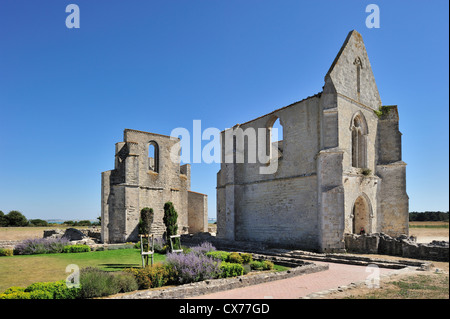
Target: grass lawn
[25,270]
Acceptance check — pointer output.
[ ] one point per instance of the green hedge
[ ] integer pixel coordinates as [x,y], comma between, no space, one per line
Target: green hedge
[218,254]
[42,290]
[98,283]
[6,252]
[231,269]
[76,249]
[261,265]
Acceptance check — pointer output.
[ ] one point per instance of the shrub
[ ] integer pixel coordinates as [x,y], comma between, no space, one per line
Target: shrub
[6,252]
[247,258]
[40,246]
[39,294]
[97,283]
[262,265]
[55,290]
[231,270]
[218,254]
[152,276]
[123,246]
[38,222]
[125,281]
[14,289]
[203,248]
[83,223]
[42,290]
[76,249]
[235,258]
[192,267]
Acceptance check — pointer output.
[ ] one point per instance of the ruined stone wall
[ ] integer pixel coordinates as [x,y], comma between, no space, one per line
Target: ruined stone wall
[134,184]
[403,246]
[197,203]
[393,199]
[311,198]
[393,214]
[279,208]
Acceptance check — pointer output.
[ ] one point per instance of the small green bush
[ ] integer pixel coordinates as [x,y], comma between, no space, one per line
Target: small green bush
[13,289]
[261,265]
[231,269]
[6,252]
[247,258]
[235,258]
[218,254]
[152,276]
[42,290]
[97,283]
[76,249]
[125,281]
[38,294]
[56,290]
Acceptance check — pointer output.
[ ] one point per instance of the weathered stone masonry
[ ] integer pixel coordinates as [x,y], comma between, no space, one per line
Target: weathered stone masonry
[147,175]
[339,167]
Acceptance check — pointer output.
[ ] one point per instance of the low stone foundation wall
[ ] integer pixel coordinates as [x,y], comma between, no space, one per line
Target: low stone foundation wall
[9,244]
[403,246]
[88,235]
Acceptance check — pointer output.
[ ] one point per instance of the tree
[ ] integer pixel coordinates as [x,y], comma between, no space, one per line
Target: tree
[3,220]
[15,218]
[170,220]
[38,222]
[85,222]
[146,220]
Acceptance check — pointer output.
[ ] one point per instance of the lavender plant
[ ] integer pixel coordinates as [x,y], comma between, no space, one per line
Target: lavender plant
[193,267]
[203,248]
[40,246]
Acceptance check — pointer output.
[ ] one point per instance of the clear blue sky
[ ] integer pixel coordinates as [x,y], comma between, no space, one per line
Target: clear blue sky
[66,95]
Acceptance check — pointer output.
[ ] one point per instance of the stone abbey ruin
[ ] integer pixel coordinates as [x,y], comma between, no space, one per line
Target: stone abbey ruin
[340,171]
[139,180]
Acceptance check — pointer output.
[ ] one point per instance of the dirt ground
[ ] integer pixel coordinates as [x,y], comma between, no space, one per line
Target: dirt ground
[426,235]
[432,284]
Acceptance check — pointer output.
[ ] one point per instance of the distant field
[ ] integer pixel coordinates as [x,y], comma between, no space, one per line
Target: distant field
[429,231]
[20,233]
[428,224]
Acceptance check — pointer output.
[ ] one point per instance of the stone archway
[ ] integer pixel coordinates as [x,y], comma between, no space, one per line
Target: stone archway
[361,215]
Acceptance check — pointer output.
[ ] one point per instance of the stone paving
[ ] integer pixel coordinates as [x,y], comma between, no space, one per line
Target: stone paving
[337,277]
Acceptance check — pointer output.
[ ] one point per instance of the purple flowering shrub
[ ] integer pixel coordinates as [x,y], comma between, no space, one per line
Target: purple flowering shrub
[193,267]
[40,246]
[203,248]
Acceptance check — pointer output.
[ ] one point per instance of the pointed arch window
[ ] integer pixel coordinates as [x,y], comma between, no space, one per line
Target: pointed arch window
[275,137]
[153,156]
[359,141]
